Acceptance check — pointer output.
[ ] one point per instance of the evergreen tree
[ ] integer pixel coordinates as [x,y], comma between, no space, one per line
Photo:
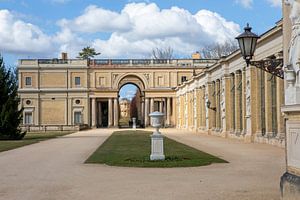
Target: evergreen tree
[10,115]
[87,53]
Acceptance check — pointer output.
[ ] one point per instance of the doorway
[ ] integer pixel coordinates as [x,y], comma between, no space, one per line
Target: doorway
[102,114]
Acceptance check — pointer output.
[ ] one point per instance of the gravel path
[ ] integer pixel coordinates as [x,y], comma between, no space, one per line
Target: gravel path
[54,170]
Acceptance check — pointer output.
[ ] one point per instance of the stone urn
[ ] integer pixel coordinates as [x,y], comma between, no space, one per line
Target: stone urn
[156,120]
[157,139]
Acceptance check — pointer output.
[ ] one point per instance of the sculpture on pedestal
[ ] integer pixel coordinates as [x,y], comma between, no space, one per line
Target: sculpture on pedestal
[294,48]
[157,139]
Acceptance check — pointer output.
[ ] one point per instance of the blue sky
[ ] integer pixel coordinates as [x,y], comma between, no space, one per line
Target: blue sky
[123,28]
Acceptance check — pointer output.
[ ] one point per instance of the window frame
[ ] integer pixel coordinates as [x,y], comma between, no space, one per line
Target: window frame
[28,78]
[75,118]
[30,122]
[77,78]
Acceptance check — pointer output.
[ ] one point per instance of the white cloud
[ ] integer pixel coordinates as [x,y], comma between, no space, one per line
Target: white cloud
[275,3]
[149,27]
[133,32]
[245,3]
[95,19]
[19,37]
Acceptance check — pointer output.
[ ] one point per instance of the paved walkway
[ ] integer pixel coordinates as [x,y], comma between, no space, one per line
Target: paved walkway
[54,170]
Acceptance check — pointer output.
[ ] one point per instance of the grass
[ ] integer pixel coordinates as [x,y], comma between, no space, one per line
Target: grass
[30,138]
[133,148]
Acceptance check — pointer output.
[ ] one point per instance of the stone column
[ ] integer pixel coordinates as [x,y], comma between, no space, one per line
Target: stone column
[260,106]
[161,107]
[142,111]
[110,112]
[182,106]
[186,110]
[116,112]
[217,100]
[280,102]
[238,93]
[200,108]
[93,111]
[151,105]
[146,112]
[168,111]
[210,113]
[226,105]
[244,99]
[251,103]
[203,108]
[268,105]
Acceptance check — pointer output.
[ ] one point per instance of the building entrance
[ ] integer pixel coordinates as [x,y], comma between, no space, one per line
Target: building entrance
[102,114]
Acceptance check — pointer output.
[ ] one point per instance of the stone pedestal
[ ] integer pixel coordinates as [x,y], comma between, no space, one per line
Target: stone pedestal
[157,147]
[290,181]
[157,140]
[134,123]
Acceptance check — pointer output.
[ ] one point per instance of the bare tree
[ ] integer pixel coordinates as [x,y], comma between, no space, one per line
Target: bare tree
[162,53]
[215,51]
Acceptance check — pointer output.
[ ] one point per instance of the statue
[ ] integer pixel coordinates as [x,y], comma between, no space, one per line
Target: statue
[294,48]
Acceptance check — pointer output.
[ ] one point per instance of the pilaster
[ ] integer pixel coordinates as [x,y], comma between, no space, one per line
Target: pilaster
[110,112]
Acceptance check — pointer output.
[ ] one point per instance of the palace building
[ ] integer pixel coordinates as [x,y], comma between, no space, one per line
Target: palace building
[231,100]
[221,97]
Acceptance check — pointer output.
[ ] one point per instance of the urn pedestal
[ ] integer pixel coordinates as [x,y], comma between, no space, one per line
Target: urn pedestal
[134,123]
[157,139]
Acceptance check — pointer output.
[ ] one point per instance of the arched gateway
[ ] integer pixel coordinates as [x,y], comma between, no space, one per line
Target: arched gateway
[60,93]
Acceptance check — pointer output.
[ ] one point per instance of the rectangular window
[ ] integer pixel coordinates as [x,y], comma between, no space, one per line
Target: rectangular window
[77,118]
[28,81]
[28,118]
[77,81]
[183,79]
[160,81]
[102,81]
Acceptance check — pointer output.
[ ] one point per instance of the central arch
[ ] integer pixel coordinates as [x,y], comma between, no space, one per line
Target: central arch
[134,105]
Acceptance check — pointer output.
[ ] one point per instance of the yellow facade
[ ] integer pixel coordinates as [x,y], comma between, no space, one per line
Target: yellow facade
[237,101]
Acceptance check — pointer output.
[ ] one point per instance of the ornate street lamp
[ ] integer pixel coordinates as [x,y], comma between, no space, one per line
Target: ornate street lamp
[247,43]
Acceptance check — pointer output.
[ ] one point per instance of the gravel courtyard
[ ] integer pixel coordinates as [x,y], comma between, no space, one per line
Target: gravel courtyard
[55,170]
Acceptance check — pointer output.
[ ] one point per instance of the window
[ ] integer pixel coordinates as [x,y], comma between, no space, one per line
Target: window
[77,101]
[77,81]
[102,81]
[160,81]
[77,118]
[28,81]
[28,102]
[183,79]
[28,118]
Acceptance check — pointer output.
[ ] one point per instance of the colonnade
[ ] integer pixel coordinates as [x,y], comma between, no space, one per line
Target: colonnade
[243,104]
[147,106]
[113,111]
[158,104]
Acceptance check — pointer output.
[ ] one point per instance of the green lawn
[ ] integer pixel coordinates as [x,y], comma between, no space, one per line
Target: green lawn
[29,138]
[132,149]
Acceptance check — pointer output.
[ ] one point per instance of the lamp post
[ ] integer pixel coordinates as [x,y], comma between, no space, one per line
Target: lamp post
[247,43]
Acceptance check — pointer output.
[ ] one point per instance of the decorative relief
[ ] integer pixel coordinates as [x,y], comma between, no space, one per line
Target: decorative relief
[115,76]
[248,98]
[147,77]
[223,98]
[294,50]
[206,101]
